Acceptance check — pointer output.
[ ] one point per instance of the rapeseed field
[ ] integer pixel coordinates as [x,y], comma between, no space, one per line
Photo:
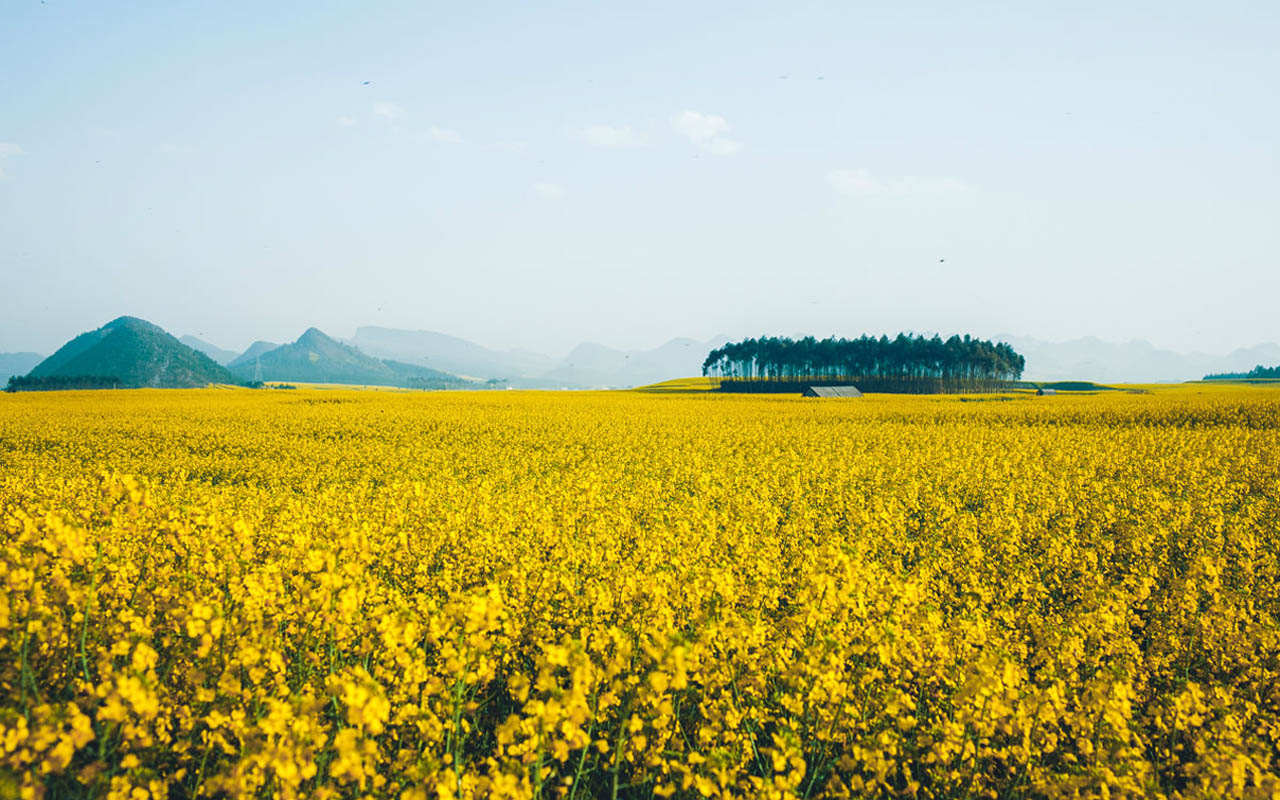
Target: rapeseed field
[331,594]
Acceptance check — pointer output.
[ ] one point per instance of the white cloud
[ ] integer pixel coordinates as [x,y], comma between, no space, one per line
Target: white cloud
[706,131]
[861,183]
[911,184]
[8,149]
[389,111]
[853,182]
[548,191]
[444,135]
[719,146]
[346,121]
[700,127]
[612,136]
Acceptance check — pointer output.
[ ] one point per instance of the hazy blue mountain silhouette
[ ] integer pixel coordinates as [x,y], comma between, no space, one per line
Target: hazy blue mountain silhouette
[589,365]
[12,364]
[223,357]
[1135,361]
[450,353]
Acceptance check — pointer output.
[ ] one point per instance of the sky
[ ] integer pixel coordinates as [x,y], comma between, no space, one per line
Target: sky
[536,175]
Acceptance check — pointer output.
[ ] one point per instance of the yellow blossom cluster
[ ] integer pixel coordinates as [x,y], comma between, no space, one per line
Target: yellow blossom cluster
[336,594]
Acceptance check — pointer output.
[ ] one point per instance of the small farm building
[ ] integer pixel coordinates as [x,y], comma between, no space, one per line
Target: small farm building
[831,391]
[1043,392]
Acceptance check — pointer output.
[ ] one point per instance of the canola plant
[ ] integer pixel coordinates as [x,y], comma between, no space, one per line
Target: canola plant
[339,594]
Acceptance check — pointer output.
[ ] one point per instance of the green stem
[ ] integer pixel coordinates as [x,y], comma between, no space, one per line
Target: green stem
[582,757]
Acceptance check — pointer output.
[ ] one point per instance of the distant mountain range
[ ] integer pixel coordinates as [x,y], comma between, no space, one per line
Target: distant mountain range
[1135,361]
[593,364]
[132,353]
[223,357]
[17,364]
[318,358]
[450,354]
[142,354]
[588,366]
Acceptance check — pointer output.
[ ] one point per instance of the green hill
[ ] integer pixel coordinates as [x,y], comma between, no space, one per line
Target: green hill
[252,352]
[135,353]
[317,358]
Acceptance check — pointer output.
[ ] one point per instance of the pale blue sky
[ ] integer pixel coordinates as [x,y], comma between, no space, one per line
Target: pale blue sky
[536,175]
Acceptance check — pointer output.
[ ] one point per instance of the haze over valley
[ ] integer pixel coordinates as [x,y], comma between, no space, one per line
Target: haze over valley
[430,359]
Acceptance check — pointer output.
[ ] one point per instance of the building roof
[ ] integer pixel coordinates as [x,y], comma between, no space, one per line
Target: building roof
[831,391]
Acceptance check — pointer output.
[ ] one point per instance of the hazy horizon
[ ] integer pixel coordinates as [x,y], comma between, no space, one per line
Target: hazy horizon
[348,336]
[538,177]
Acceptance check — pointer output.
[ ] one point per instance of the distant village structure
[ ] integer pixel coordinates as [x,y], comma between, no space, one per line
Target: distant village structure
[831,391]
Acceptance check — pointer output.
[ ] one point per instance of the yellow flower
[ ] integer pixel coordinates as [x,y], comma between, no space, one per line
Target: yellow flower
[331,593]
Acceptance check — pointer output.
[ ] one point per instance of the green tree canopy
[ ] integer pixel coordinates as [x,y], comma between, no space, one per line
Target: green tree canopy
[916,363]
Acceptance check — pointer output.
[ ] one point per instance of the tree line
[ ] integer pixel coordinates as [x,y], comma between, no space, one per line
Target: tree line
[1257,373]
[906,363]
[53,383]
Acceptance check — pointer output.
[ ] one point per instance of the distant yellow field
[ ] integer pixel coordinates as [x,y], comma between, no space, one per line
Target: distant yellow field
[680,385]
[625,594]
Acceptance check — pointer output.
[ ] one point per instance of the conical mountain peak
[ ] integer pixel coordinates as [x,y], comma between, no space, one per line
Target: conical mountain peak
[132,323]
[131,352]
[315,336]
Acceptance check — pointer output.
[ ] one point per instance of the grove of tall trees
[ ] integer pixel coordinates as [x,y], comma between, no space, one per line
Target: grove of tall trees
[1257,373]
[906,363]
